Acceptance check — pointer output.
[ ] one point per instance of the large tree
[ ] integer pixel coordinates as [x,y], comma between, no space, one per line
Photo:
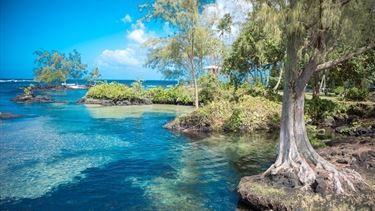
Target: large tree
[76,69]
[52,67]
[258,47]
[319,34]
[183,53]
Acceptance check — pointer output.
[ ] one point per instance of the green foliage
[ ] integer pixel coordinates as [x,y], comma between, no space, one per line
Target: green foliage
[94,75]
[255,48]
[182,54]
[210,89]
[357,94]
[358,72]
[318,109]
[250,113]
[76,69]
[340,90]
[137,88]
[112,91]
[176,95]
[362,110]
[258,90]
[28,90]
[225,24]
[317,136]
[55,67]
[210,117]
[253,113]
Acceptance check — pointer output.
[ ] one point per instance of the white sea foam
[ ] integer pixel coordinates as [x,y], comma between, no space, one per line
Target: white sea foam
[15,80]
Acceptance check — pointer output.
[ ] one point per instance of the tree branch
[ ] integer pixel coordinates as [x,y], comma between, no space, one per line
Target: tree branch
[333,63]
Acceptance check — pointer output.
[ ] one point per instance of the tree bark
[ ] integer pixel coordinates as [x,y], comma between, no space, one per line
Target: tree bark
[196,102]
[297,160]
[315,85]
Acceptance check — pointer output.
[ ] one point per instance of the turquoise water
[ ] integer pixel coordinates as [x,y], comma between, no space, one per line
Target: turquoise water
[65,156]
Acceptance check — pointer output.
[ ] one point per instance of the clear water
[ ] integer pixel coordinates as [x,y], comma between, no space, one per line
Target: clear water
[64,156]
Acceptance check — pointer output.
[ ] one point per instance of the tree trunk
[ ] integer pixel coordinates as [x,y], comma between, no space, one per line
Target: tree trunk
[316,85]
[196,102]
[298,164]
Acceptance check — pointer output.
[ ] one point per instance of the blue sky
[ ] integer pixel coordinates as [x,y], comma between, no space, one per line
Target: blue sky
[107,33]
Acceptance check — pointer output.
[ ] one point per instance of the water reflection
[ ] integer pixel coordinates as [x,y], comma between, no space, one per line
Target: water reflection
[136,111]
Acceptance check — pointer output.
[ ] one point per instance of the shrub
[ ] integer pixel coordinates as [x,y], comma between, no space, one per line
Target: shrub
[137,88]
[207,118]
[210,89]
[318,109]
[254,113]
[339,91]
[112,91]
[28,90]
[175,95]
[258,90]
[357,94]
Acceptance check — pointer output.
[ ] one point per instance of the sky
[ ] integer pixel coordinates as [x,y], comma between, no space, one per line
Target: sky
[107,33]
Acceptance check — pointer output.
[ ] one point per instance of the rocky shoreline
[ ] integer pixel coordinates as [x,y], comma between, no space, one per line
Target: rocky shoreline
[351,152]
[107,102]
[30,98]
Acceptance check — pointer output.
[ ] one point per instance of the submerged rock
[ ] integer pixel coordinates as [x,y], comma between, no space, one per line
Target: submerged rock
[33,99]
[5,115]
[107,102]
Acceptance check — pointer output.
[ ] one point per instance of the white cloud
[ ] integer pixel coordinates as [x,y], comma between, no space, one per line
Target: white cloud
[138,33]
[127,19]
[138,36]
[119,57]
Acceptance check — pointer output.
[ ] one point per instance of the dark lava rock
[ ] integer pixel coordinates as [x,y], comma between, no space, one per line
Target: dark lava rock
[342,161]
[342,129]
[4,115]
[33,99]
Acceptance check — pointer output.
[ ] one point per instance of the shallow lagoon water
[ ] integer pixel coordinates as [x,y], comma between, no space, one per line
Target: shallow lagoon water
[68,156]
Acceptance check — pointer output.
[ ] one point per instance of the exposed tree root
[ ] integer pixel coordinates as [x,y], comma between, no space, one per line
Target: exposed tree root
[315,175]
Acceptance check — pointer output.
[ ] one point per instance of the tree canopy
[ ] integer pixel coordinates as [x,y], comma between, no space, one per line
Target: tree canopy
[55,67]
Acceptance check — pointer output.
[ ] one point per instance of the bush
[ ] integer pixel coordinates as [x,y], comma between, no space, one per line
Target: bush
[251,113]
[339,91]
[258,90]
[207,118]
[28,90]
[210,89]
[112,91]
[318,109]
[176,95]
[254,113]
[115,91]
[357,94]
